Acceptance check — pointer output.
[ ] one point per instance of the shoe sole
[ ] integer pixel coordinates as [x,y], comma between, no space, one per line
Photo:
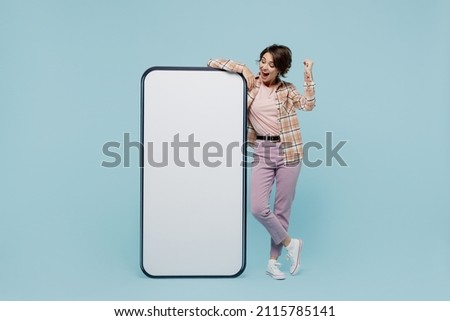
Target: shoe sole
[297,266]
[276,277]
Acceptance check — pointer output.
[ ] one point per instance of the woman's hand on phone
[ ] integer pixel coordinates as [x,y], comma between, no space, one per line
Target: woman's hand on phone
[249,77]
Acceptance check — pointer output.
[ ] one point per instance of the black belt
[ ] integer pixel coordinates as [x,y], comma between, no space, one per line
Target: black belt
[269,138]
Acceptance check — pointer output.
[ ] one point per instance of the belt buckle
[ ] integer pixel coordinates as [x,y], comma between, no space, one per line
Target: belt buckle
[268,138]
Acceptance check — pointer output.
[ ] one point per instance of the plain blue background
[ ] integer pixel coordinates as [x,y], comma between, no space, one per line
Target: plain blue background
[70,82]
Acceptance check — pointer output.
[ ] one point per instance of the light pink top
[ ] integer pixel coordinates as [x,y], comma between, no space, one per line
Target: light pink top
[263,113]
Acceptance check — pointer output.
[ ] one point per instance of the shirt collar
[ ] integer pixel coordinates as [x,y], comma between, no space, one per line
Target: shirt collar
[259,81]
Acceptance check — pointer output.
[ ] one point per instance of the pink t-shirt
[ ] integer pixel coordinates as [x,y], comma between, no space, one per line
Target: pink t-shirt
[263,113]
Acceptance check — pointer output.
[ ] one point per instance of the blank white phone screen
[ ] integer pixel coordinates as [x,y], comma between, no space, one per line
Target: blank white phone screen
[193,211]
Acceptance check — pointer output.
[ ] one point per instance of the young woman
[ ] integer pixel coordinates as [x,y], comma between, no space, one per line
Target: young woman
[274,133]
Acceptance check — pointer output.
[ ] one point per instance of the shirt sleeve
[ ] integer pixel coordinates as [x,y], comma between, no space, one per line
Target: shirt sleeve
[226,64]
[307,101]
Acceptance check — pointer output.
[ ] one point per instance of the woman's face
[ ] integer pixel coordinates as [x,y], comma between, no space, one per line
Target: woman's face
[267,70]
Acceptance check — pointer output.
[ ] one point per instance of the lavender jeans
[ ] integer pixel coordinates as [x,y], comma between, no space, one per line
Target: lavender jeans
[268,167]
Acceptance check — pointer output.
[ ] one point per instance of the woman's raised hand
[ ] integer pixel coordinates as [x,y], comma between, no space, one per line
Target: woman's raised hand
[308,64]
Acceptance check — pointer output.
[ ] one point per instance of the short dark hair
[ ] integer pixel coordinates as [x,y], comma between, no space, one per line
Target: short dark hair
[282,57]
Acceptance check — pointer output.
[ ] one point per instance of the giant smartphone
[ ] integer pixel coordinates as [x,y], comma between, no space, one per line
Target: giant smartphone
[193,182]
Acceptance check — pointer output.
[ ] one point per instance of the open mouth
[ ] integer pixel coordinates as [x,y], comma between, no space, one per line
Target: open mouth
[264,74]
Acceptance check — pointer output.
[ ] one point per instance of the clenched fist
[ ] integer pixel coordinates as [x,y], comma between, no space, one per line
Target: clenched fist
[308,64]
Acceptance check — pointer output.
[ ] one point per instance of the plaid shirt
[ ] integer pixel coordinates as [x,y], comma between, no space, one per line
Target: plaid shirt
[288,99]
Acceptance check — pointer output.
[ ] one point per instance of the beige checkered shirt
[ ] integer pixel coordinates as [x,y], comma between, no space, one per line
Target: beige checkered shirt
[288,101]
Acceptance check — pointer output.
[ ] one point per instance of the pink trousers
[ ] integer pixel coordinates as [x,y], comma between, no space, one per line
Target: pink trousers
[268,168]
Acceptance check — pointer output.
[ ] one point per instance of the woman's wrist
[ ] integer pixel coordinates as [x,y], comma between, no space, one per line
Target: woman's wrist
[308,76]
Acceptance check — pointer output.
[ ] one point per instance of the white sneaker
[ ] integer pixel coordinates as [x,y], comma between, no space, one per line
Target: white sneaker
[294,248]
[273,269]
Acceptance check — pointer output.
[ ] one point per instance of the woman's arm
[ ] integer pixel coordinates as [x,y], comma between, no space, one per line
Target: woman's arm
[232,66]
[307,101]
[226,64]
